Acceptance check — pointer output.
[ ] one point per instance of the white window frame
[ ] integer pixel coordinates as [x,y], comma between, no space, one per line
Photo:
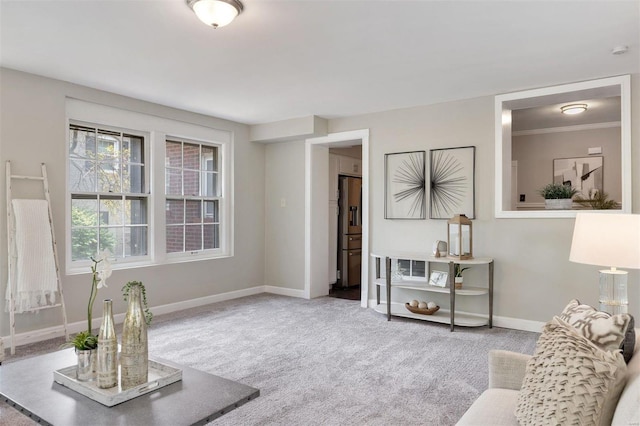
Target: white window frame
[99,195]
[157,128]
[221,198]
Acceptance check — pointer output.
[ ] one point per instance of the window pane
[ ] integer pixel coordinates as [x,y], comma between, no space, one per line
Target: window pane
[191,154]
[135,241]
[404,266]
[135,212]
[191,183]
[193,237]
[173,179]
[108,145]
[175,238]
[109,176]
[82,143]
[193,211]
[111,239]
[132,149]
[84,243]
[211,211]
[110,212]
[82,176]
[84,213]
[133,179]
[173,154]
[175,211]
[209,158]
[418,268]
[209,184]
[211,236]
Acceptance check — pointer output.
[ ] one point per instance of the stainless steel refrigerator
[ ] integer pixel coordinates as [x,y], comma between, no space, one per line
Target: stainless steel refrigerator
[349,230]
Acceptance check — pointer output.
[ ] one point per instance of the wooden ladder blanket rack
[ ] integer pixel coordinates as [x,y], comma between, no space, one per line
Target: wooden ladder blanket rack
[10,241]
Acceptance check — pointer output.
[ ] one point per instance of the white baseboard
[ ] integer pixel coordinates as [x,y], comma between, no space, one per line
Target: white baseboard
[283,291]
[58,330]
[499,321]
[518,324]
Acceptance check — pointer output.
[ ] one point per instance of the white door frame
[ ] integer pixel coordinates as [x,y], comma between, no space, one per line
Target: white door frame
[335,138]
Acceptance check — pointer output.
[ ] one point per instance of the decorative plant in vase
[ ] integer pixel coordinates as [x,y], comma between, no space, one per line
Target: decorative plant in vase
[86,342]
[598,200]
[458,269]
[134,356]
[558,196]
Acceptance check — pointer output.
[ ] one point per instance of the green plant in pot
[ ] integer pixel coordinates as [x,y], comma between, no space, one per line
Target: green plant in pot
[458,270]
[558,196]
[85,342]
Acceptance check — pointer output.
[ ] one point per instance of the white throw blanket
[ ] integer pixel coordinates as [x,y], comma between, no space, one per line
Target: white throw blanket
[34,280]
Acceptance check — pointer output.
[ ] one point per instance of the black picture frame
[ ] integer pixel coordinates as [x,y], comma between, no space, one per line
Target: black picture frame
[405,185]
[452,182]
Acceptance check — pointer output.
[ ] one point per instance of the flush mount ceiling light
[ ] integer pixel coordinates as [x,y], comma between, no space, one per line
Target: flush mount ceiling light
[573,109]
[216,13]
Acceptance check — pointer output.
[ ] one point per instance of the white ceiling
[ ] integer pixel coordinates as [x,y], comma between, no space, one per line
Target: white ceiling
[332,58]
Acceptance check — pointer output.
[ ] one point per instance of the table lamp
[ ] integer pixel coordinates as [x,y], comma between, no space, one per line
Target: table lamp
[608,240]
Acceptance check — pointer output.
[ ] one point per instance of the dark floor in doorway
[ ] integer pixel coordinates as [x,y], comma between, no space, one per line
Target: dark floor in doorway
[351,293]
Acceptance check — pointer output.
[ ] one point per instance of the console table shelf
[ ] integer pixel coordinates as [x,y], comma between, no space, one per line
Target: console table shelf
[463,319]
[449,316]
[422,286]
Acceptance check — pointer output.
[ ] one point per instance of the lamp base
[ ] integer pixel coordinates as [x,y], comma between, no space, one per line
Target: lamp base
[613,291]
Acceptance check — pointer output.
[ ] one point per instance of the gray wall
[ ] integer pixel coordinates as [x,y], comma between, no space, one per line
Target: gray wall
[32,118]
[535,154]
[533,276]
[284,242]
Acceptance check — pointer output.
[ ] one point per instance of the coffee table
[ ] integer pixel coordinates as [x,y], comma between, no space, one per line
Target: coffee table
[197,399]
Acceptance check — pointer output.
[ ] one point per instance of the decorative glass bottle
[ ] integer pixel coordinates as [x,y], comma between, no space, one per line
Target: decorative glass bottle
[134,355]
[107,349]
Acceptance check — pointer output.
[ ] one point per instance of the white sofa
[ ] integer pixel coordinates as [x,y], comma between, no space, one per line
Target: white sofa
[496,406]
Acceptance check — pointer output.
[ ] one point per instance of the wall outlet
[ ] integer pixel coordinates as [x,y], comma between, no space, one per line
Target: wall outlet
[522,198]
[283,202]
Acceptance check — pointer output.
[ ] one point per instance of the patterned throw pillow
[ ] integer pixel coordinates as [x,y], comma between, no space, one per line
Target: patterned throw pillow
[570,380]
[605,330]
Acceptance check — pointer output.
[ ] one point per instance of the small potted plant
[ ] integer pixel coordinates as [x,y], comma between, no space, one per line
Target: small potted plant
[558,196]
[85,342]
[598,200]
[458,274]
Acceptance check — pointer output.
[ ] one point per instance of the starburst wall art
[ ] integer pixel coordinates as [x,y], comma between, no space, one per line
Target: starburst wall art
[405,185]
[452,182]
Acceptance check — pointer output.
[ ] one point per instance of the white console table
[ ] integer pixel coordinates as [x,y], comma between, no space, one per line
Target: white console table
[453,318]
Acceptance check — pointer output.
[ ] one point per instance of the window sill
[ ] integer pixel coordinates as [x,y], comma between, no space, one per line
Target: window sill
[86,269]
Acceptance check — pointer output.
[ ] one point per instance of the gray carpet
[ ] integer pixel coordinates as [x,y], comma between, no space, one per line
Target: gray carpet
[327,361]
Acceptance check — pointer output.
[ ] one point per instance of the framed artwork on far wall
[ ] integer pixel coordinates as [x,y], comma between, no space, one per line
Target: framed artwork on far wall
[452,177]
[582,173]
[404,178]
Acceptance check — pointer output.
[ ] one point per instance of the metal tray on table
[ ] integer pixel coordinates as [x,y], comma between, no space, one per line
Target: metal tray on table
[160,375]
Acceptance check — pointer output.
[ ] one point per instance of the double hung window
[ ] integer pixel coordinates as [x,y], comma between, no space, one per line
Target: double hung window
[107,183]
[193,196]
[146,195]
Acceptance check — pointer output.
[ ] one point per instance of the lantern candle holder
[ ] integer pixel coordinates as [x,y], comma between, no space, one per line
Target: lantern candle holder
[460,237]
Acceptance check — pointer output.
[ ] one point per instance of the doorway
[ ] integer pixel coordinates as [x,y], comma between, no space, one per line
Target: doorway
[345,221]
[317,264]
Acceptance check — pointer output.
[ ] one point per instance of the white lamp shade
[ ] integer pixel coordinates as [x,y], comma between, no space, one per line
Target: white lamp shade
[606,240]
[216,13]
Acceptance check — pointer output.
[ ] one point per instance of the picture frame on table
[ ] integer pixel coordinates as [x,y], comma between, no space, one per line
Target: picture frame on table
[438,278]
